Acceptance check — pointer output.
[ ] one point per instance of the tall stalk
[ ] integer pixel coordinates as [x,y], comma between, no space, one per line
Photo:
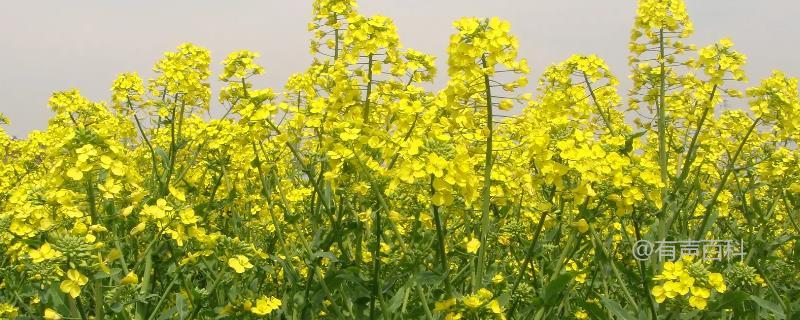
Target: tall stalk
[477,280]
[440,235]
[369,88]
[661,110]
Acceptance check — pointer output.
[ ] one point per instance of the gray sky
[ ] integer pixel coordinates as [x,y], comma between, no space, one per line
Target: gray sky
[56,45]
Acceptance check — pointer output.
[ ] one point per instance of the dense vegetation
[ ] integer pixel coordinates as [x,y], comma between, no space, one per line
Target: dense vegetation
[356,192]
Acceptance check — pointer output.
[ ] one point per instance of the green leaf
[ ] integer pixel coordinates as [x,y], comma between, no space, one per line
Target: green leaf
[769,306]
[777,242]
[427,278]
[616,309]
[117,307]
[163,155]
[729,299]
[397,299]
[291,275]
[629,142]
[351,274]
[594,311]
[180,304]
[555,287]
[325,254]
[57,300]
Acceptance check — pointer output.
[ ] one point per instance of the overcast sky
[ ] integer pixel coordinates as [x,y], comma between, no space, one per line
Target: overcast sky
[48,46]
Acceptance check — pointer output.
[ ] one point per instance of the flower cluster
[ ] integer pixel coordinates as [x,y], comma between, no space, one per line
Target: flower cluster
[359,191]
[688,280]
[480,304]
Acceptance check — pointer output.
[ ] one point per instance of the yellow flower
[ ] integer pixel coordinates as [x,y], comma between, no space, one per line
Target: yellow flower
[130,278]
[504,239]
[45,252]
[110,188]
[75,174]
[114,254]
[177,193]
[266,305]
[498,278]
[495,307]
[716,281]
[701,292]
[118,169]
[8,311]
[72,285]
[760,281]
[100,262]
[505,104]
[442,198]
[582,226]
[240,64]
[127,87]
[50,314]
[672,289]
[187,216]
[697,302]
[473,245]
[239,263]
[472,301]
[138,228]
[361,136]
[580,278]
[484,294]
[672,270]
[158,211]
[683,285]
[349,134]
[453,316]
[444,305]
[659,294]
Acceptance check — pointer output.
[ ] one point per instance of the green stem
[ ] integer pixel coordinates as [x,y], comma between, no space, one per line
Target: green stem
[427,310]
[691,154]
[713,201]
[440,232]
[528,258]
[643,272]
[614,270]
[661,110]
[606,120]
[73,308]
[173,147]
[141,307]
[477,279]
[164,295]
[376,266]
[369,89]
[336,46]
[146,141]
[99,312]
